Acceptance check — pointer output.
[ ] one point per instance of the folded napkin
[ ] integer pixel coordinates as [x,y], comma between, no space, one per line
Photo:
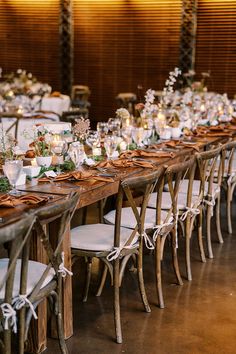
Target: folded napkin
[212,131]
[8,201]
[124,163]
[178,143]
[143,153]
[55,94]
[78,176]
[85,175]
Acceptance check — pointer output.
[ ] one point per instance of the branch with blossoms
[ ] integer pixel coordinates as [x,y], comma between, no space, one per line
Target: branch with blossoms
[169,87]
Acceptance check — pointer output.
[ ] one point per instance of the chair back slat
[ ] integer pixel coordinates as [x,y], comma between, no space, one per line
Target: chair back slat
[146,183]
[62,214]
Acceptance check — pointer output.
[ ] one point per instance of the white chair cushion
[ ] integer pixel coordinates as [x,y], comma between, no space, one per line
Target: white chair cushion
[196,185]
[98,237]
[128,219]
[35,271]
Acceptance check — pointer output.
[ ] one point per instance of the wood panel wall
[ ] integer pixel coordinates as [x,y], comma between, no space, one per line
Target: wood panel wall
[29,38]
[122,44]
[216,44]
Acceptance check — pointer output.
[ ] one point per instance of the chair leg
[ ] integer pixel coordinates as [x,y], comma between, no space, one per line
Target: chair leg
[60,327]
[117,301]
[199,234]
[187,250]
[218,226]
[175,257]
[7,341]
[102,282]
[208,226]
[88,278]
[21,332]
[228,203]
[158,273]
[141,281]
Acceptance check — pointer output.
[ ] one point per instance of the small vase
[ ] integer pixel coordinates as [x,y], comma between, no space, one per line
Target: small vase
[44,161]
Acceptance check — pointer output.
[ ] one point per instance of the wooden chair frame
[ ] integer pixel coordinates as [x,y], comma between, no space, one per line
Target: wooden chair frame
[116,265]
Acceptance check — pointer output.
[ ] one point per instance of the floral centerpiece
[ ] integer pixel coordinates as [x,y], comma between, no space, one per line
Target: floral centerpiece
[81,129]
[21,82]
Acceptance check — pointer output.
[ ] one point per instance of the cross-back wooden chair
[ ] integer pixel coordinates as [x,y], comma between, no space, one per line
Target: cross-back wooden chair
[208,182]
[115,244]
[229,177]
[32,281]
[13,275]
[183,208]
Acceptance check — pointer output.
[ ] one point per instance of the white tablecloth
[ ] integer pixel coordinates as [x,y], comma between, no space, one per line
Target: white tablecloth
[56,104]
[25,124]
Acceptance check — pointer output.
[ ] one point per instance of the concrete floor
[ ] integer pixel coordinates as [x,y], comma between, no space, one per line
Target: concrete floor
[199,317]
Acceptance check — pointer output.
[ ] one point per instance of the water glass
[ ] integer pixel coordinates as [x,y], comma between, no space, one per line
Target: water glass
[102,128]
[114,125]
[76,153]
[127,134]
[93,139]
[12,169]
[138,135]
[110,144]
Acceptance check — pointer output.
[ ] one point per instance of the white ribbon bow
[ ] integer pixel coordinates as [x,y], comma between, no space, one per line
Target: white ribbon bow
[9,315]
[191,211]
[230,179]
[115,253]
[159,229]
[20,301]
[147,241]
[62,269]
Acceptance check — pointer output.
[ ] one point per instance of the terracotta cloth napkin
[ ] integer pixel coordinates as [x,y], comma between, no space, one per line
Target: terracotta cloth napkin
[78,176]
[212,131]
[178,143]
[143,153]
[8,201]
[123,163]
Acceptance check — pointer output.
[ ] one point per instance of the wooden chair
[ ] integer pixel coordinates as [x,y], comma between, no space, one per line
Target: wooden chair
[229,177]
[27,282]
[210,170]
[187,206]
[115,244]
[158,224]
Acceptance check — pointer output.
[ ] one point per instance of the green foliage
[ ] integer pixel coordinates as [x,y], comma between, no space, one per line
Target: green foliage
[4,185]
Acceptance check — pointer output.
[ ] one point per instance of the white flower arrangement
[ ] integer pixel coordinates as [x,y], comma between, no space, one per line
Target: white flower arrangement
[169,87]
[122,113]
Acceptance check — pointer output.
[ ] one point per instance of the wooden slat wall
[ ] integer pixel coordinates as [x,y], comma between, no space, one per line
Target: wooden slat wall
[29,38]
[216,43]
[121,44]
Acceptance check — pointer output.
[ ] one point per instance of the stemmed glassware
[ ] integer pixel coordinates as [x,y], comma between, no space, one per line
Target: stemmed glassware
[110,144]
[102,128]
[93,139]
[138,135]
[12,169]
[127,134]
[114,125]
[76,153]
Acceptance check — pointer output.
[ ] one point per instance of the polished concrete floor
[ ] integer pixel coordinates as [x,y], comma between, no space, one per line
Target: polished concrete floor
[199,317]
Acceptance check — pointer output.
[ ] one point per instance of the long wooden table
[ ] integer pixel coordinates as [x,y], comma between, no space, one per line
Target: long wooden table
[89,193]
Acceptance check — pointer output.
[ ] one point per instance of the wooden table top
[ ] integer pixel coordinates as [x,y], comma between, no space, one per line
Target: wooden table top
[90,191]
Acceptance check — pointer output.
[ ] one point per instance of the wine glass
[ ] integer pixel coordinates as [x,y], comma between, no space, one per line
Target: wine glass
[76,153]
[59,148]
[93,140]
[102,128]
[110,144]
[127,134]
[114,125]
[12,169]
[138,135]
